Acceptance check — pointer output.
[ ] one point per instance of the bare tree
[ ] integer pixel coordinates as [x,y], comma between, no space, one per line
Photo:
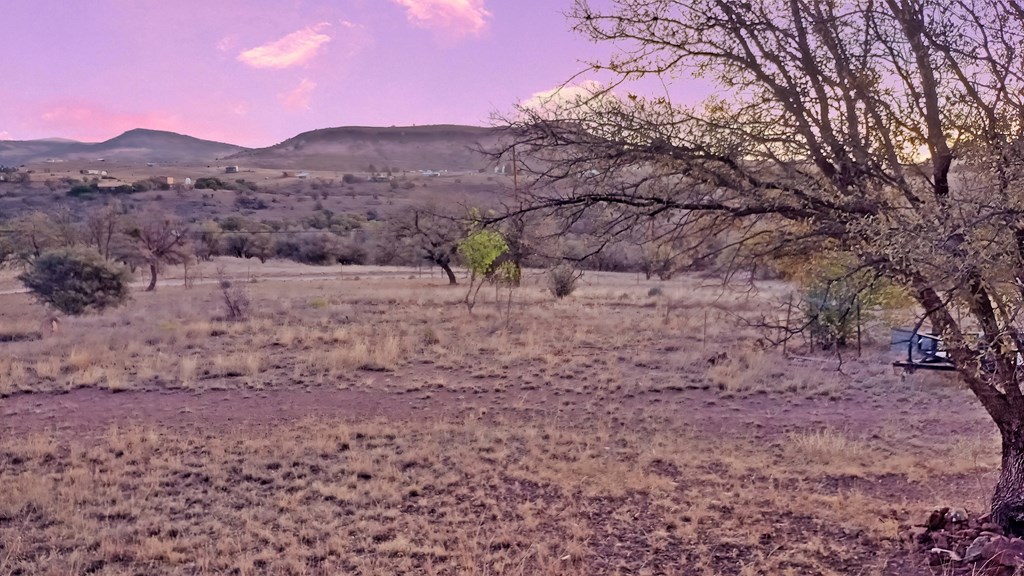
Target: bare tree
[32,234]
[156,240]
[206,239]
[887,129]
[102,228]
[431,234]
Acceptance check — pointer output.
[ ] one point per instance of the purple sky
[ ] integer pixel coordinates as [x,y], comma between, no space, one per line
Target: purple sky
[255,72]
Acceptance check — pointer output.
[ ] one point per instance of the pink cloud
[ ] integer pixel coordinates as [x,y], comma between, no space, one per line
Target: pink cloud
[299,97]
[294,49]
[5,135]
[81,120]
[455,17]
[91,122]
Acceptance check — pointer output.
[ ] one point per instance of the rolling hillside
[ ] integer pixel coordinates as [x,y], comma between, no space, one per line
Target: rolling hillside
[440,147]
[135,145]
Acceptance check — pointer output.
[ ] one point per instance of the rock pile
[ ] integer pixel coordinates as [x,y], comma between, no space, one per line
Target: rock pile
[953,538]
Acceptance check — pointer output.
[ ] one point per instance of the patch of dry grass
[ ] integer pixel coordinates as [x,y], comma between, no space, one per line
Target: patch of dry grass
[585,477]
[494,496]
[609,337]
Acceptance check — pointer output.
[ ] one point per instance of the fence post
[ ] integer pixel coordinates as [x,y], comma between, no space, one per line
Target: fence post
[789,312]
[858,326]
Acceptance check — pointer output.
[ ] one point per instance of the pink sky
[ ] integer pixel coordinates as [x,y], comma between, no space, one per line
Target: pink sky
[255,72]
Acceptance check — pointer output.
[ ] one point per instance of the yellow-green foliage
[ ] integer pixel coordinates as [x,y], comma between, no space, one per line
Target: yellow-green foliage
[480,249]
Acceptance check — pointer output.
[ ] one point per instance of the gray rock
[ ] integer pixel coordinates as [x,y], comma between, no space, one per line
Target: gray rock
[976,548]
[996,551]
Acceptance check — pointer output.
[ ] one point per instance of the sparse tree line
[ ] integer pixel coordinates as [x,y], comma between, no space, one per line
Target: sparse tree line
[91,186]
[151,239]
[145,239]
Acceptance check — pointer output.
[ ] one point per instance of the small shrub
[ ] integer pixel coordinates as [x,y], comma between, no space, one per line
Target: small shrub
[562,280]
[236,300]
[655,291]
[143,186]
[210,184]
[80,190]
[250,203]
[836,297]
[77,280]
[430,337]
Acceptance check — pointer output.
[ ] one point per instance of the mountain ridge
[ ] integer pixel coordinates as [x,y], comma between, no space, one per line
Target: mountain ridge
[358,148]
[355,148]
[142,144]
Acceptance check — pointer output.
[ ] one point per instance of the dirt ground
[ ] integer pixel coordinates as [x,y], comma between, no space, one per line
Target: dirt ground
[363,422]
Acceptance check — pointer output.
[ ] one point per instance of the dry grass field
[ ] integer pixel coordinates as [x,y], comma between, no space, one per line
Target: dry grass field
[361,421]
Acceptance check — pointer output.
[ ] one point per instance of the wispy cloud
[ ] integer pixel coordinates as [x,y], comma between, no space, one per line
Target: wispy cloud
[294,49]
[5,135]
[299,97]
[454,17]
[227,43]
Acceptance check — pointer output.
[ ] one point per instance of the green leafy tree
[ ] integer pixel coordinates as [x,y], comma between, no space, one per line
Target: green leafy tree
[480,252]
[77,280]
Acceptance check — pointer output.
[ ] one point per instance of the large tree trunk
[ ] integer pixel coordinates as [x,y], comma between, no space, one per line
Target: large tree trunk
[448,270]
[1008,500]
[152,277]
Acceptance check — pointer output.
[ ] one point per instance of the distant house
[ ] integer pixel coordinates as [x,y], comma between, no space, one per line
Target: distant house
[188,182]
[165,180]
[231,170]
[93,172]
[303,175]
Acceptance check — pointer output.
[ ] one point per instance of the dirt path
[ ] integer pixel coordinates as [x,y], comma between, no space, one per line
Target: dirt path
[86,412]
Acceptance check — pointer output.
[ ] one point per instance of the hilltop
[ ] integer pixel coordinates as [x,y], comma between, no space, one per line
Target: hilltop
[134,145]
[357,148]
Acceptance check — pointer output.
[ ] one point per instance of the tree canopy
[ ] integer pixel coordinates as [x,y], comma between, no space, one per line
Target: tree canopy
[77,280]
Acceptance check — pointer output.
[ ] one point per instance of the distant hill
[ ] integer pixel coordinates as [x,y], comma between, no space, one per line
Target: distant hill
[136,145]
[356,148]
